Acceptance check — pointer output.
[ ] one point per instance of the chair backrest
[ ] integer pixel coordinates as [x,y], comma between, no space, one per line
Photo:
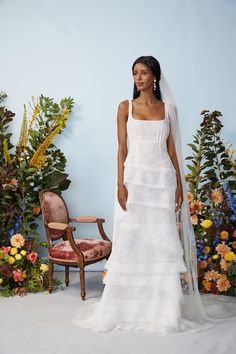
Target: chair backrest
[54,209]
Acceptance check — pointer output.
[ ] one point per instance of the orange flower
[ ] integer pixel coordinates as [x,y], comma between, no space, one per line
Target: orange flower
[211,275]
[202,264]
[234,244]
[224,264]
[36,210]
[223,283]
[222,249]
[216,196]
[194,219]
[206,249]
[224,235]
[190,197]
[207,285]
[195,206]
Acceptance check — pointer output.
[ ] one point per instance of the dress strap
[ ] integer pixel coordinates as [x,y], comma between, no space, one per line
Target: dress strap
[130,108]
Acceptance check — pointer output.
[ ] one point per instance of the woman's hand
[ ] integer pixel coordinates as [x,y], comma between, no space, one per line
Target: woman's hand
[122,196]
[178,198]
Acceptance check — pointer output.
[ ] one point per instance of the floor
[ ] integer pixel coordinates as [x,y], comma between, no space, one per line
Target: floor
[42,323]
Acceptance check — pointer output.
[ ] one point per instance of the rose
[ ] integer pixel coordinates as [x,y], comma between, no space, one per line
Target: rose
[44,267]
[32,257]
[206,223]
[5,249]
[13,251]
[23,253]
[17,275]
[18,257]
[11,260]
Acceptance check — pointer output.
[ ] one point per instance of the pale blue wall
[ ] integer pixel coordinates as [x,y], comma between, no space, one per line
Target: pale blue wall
[85,49]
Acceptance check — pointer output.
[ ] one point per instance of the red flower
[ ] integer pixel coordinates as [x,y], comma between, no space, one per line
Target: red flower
[32,257]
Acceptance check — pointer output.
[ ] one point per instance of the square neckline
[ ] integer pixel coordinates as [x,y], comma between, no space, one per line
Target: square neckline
[145,120]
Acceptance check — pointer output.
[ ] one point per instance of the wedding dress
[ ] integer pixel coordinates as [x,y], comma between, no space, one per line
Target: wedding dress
[143,287]
[151,282]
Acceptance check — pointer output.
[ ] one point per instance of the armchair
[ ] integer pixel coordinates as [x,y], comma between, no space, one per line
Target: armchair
[70,251]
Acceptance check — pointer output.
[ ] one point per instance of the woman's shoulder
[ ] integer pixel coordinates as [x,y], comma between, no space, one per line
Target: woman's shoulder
[123,104]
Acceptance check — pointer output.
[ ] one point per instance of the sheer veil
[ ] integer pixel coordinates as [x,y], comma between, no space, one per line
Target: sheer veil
[193,307]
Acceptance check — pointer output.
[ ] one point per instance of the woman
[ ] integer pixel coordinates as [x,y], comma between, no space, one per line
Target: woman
[151,282]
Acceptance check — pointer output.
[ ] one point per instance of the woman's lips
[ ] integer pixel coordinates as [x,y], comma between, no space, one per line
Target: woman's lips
[139,83]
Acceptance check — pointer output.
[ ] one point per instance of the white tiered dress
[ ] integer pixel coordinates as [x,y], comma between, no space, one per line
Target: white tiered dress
[142,284]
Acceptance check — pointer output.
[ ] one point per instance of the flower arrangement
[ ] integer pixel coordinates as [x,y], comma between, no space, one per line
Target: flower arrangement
[212,205]
[21,268]
[35,164]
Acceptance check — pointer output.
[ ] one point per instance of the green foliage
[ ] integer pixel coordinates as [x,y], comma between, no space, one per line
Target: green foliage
[35,164]
[210,162]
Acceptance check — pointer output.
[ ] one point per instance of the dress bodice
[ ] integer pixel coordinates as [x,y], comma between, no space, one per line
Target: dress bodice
[147,141]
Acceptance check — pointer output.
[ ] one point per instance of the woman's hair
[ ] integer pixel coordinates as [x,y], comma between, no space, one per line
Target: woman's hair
[154,66]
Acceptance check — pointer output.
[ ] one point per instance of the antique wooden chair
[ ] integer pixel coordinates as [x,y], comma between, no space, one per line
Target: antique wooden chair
[70,252]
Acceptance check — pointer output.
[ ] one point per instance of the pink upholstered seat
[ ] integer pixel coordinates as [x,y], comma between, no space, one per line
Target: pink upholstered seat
[90,248]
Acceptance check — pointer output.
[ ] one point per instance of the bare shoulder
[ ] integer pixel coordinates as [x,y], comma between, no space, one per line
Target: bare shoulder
[123,110]
[123,105]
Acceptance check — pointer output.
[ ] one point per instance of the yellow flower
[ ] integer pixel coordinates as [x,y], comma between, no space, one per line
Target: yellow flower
[44,267]
[230,256]
[24,275]
[13,251]
[17,240]
[11,260]
[1,280]
[224,235]
[215,256]
[23,253]
[18,256]
[206,223]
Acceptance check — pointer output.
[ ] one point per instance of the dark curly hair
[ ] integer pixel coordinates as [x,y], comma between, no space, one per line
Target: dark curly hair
[154,65]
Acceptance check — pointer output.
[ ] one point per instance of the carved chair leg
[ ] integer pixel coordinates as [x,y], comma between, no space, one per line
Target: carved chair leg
[82,283]
[67,280]
[50,275]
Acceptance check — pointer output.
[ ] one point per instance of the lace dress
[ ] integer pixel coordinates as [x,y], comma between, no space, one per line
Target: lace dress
[142,284]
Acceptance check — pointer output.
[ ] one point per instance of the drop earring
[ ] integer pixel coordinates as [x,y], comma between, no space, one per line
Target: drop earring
[154,85]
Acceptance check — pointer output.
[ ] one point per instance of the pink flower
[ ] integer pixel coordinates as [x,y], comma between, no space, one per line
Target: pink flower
[17,275]
[5,249]
[32,257]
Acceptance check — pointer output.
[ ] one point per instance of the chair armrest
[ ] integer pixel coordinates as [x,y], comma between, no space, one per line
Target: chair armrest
[59,226]
[87,219]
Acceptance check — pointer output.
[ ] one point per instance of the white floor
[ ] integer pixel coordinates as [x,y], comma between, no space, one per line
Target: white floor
[42,323]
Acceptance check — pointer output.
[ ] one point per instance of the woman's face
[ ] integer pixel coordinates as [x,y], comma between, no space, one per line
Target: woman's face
[143,76]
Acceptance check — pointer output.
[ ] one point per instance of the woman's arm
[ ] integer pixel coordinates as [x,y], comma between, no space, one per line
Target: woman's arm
[122,151]
[172,152]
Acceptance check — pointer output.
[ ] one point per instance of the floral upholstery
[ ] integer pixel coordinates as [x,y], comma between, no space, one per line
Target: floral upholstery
[91,249]
[54,209]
